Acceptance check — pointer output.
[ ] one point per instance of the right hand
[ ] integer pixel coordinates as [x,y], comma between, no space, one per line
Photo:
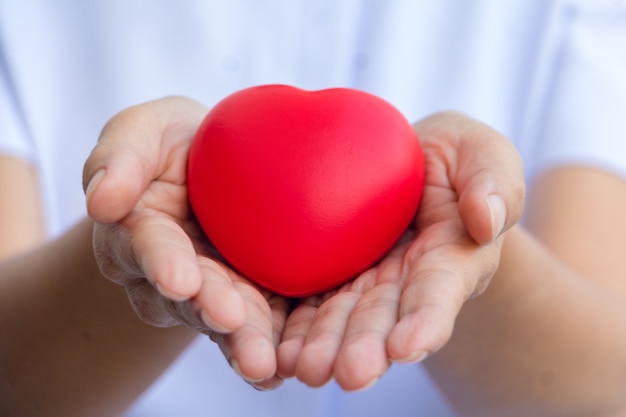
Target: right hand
[405,306]
[147,239]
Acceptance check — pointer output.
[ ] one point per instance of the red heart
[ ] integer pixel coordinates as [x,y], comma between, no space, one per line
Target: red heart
[302,190]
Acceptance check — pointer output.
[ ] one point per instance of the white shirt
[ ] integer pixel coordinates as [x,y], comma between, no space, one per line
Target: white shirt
[548,74]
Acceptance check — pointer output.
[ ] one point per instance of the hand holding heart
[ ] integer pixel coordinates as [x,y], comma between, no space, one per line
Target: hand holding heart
[147,239]
[404,308]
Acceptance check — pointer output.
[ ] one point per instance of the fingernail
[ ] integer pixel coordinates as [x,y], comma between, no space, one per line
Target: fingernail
[414,357]
[93,183]
[268,385]
[497,210]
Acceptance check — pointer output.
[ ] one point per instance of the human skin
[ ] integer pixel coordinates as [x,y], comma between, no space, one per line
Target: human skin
[547,336]
[128,252]
[407,306]
[71,343]
[146,244]
[487,167]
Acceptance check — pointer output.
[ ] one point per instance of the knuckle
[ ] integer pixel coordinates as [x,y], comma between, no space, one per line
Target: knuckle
[113,256]
[148,305]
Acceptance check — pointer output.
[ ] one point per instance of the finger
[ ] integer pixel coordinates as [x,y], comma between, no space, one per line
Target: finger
[155,309]
[434,291]
[490,186]
[315,364]
[293,338]
[221,306]
[362,358]
[136,146]
[152,308]
[279,307]
[426,321]
[485,169]
[165,255]
[251,350]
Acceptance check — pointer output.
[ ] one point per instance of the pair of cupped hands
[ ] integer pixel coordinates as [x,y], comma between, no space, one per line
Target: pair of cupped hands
[401,310]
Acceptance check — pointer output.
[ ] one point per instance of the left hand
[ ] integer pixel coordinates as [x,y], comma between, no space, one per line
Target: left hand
[405,307]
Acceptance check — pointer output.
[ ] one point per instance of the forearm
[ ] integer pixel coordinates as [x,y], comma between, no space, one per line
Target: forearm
[71,343]
[560,342]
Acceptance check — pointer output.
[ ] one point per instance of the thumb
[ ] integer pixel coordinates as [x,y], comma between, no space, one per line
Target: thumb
[490,183]
[485,171]
[136,147]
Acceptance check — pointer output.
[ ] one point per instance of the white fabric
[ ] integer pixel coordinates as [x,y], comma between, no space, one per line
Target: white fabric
[547,73]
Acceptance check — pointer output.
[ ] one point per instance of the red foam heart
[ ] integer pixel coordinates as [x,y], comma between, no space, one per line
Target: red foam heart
[302,190]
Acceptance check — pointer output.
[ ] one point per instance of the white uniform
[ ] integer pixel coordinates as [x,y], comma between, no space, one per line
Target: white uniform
[551,75]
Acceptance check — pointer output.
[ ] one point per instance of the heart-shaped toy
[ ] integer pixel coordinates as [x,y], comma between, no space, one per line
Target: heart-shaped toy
[300,190]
